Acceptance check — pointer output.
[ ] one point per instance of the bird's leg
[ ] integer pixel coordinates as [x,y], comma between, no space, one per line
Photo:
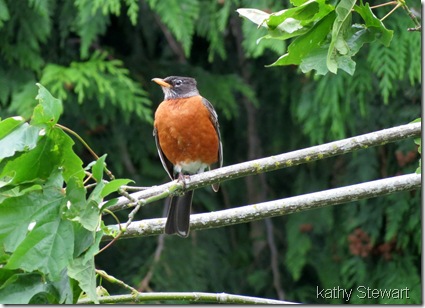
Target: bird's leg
[183,178]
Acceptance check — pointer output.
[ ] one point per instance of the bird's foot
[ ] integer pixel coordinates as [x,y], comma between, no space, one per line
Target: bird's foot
[184,178]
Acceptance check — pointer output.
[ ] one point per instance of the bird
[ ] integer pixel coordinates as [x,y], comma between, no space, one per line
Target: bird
[188,140]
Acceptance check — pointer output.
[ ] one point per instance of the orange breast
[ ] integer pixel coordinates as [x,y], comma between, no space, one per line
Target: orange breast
[185,131]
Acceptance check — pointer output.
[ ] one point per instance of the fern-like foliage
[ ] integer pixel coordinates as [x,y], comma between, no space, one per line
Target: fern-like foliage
[107,81]
[20,40]
[179,17]
[90,22]
[212,24]
[402,58]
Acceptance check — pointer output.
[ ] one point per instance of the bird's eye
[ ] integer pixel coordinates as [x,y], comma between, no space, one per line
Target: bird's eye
[178,82]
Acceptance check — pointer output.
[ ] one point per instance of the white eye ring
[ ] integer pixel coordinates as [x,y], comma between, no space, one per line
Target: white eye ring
[178,82]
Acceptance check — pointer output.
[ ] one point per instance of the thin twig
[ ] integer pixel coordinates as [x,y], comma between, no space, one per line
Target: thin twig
[121,231]
[79,138]
[112,279]
[413,17]
[384,4]
[274,257]
[390,12]
[134,188]
[196,297]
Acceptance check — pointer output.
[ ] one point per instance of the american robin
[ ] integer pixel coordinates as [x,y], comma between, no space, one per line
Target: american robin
[188,140]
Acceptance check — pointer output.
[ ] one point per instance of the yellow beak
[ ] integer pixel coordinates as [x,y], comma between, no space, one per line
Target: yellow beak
[161,82]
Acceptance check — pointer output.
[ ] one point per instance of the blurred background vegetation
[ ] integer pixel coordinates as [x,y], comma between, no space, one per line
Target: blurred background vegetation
[99,57]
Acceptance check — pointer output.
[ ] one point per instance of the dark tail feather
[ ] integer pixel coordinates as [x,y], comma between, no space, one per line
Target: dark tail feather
[178,219]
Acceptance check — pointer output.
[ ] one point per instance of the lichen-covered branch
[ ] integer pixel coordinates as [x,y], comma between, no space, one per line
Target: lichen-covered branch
[278,162]
[280,207]
[196,297]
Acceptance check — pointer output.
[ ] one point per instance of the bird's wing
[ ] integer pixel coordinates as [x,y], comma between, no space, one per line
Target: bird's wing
[214,120]
[168,166]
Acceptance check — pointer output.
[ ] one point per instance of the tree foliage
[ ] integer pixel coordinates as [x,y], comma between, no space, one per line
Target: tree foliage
[98,57]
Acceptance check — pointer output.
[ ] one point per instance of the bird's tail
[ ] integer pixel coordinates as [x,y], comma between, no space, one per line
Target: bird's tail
[178,219]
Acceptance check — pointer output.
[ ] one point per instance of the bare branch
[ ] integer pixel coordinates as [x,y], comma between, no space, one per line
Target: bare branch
[272,163]
[280,207]
[198,297]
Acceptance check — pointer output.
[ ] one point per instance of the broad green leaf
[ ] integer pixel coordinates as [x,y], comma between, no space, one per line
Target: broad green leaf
[76,196]
[70,163]
[307,43]
[36,164]
[93,249]
[21,214]
[295,18]
[84,272]
[338,45]
[47,248]
[48,111]
[298,2]
[113,186]
[9,124]
[374,25]
[53,152]
[85,212]
[22,138]
[20,288]
[315,60]
[98,167]
[17,191]
[83,239]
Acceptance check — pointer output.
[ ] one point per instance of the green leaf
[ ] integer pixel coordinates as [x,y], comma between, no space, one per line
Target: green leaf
[20,288]
[315,60]
[22,137]
[84,272]
[307,43]
[113,186]
[21,214]
[53,152]
[90,216]
[76,196]
[298,2]
[83,239]
[98,167]
[48,111]
[338,45]
[293,19]
[86,212]
[47,248]
[374,25]
[69,162]
[9,124]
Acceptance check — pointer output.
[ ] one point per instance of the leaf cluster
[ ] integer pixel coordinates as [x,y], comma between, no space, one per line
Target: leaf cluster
[51,225]
[324,37]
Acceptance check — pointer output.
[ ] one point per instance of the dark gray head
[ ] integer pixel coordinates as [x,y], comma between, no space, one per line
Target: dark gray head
[177,87]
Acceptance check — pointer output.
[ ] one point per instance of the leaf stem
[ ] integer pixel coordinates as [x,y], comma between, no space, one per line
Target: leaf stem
[418,25]
[79,138]
[390,12]
[384,4]
[112,279]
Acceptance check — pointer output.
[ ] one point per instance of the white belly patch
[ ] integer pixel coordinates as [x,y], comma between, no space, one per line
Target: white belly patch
[193,167]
